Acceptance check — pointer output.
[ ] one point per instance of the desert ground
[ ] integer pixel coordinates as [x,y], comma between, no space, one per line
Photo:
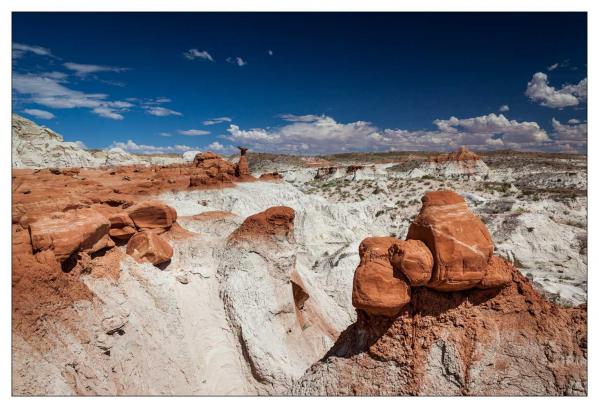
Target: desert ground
[202,274]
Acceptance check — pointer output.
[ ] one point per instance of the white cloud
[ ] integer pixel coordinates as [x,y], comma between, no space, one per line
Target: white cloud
[573,121]
[571,133]
[38,113]
[165,134]
[495,125]
[322,134]
[85,69]
[237,61]
[215,146]
[271,53]
[47,90]
[194,132]
[219,147]
[504,108]
[216,121]
[539,90]
[18,50]
[553,66]
[161,111]
[132,147]
[196,54]
[108,113]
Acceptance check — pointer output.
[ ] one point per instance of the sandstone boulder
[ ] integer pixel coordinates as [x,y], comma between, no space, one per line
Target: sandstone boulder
[376,289]
[412,259]
[121,225]
[274,223]
[83,230]
[460,243]
[147,246]
[152,214]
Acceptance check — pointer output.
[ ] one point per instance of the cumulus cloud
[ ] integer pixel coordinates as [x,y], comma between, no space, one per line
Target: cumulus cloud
[322,134]
[193,132]
[219,147]
[504,108]
[49,90]
[237,61]
[553,66]
[576,132]
[19,50]
[495,125]
[132,147]
[539,90]
[216,121]
[38,113]
[86,69]
[194,53]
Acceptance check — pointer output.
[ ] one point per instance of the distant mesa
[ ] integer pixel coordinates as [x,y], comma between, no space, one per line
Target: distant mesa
[459,163]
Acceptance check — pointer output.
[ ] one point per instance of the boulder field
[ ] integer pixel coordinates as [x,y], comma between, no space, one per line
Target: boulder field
[64,218]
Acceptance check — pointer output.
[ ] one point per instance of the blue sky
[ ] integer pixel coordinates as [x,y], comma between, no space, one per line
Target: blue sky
[305,82]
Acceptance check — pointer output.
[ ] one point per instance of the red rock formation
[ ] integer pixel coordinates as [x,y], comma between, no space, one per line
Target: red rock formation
[412,259]
[462,154]
[460,243]
[271,177]
[147,246]
[447,249]
[152,214]
[242,169]
[84,230]
[273,223]
[500,341]
[376,288]
[497,274]
[121,225]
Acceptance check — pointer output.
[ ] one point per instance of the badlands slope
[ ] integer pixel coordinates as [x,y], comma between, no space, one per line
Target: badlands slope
[197,278]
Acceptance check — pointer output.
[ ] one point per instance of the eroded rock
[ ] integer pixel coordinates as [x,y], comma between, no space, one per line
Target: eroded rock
[459,241]
[152,214]
[376,289]
[65,233]
[147,246]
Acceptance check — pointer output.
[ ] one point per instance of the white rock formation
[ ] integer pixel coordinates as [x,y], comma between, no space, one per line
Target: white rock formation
[190,155]
[34,146]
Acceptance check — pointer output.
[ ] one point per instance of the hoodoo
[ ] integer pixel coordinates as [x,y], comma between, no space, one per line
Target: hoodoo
[438,314]
[448,248]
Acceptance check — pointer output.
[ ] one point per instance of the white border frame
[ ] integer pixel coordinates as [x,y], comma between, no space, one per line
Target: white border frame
[8,6]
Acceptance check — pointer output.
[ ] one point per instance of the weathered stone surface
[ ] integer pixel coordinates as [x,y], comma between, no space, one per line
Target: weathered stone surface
[274,176]
[413,259]
[147,246]
[480,342]
[275,223]
[497,274]
[152,214]
[377,290]
[83,230]
[460,243]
